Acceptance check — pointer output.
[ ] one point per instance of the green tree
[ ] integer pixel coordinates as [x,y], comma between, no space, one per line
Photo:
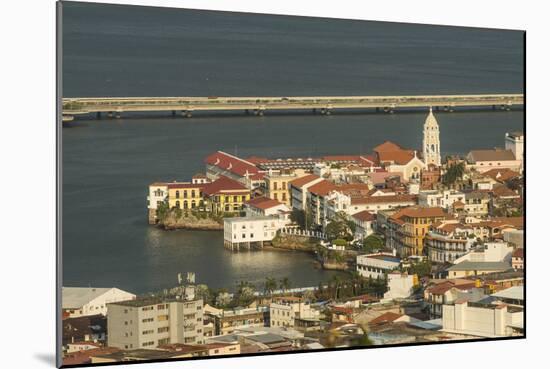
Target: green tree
[284,284]
[454,173]
[340,227]
[270,285]
[372,243]
[302,218]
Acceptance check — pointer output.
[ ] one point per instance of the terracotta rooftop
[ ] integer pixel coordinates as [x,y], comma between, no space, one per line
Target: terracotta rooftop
[263,203]
[387,146]
[491,155]
[322,188]
[518,253]
[501,175]
[300,182]
[364,216]
[420,212]
[231,163]
[224,184]
[385,318]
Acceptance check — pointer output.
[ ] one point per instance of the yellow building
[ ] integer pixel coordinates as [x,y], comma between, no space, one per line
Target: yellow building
[278,184]
[226,195]
[185,195]
[409,227]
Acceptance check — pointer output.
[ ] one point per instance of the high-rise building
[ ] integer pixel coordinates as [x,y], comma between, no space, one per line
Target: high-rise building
[430,142]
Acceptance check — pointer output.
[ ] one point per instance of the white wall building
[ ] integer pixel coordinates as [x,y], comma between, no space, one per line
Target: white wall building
[248,230]
[489,252]
[443,199]
[376,265]
[283,311]
[515,142]
[400,286]
[83,301]
[482,320]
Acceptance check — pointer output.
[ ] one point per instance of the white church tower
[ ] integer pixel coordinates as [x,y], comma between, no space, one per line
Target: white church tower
[430,143]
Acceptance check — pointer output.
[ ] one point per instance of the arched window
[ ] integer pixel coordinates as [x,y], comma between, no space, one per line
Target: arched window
[177,204]
[433,147]
[177,194]
[193,204]
[185,205]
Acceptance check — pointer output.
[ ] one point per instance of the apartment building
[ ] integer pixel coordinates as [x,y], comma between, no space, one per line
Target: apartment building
[149,323]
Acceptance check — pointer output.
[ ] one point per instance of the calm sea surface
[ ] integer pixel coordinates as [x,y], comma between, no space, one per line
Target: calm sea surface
[133,51]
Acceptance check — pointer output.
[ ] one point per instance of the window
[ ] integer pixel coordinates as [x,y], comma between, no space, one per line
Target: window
[192,193]
[177,194]
[164,341]
[185,205]
[147,320]
[177,204]
[185,194]
[235,198]
[163,329]
[161,318]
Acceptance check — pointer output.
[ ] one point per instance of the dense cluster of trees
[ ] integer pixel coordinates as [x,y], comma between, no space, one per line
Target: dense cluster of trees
[340,227]
[454,173]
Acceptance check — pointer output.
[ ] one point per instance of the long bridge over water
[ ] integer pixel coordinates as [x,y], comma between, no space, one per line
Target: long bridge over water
[186,106]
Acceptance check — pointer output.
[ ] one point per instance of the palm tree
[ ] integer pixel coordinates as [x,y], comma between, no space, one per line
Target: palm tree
[337,284]
[270,285]
[284,284]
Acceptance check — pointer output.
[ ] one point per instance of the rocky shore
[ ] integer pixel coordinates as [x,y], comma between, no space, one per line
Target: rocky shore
[191,222]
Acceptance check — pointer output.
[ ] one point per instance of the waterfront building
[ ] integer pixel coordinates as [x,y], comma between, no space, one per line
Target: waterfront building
[185,195]
[430,141]
[283,311]
[299,189]
[246,231]
[225,195]
[83,301]
[149,323]
[484,160]
[364,224]
[223,164]
[158,194]
[377,265]
[446,242]
[480,319]
[408,227]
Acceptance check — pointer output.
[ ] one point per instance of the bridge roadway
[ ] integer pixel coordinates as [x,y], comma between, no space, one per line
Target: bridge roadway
[258,105]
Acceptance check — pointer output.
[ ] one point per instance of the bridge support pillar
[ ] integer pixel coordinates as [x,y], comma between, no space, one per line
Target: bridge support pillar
[98,115]
[259,112]
[117,115]
[173,113]
[110,114]
[187,113]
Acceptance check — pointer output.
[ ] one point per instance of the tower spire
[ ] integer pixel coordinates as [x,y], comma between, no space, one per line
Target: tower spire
[430,142]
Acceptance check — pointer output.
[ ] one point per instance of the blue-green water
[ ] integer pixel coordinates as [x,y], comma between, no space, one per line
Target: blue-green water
[133,51]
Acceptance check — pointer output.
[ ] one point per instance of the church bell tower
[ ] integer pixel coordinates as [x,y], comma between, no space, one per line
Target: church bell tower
[430,142]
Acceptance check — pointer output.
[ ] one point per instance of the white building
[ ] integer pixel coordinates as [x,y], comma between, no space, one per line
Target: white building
[246,230]
[400,286]
[482,319]
[264,206]
[158,193]
[83,301]
[484,160]
[364,224]
[154,322]
[284,310]
[377,265]
[489,252]
[443,199]
[515,142]
[430,142]
[299,190]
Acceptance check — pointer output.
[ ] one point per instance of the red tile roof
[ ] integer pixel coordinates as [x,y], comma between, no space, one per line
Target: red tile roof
[364,216]
[322,188]
[385,318]
[501,175]
[225,185]
[300,182]
[518,253]
[263,202]
[420,212]
[231,163]
[387,146]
